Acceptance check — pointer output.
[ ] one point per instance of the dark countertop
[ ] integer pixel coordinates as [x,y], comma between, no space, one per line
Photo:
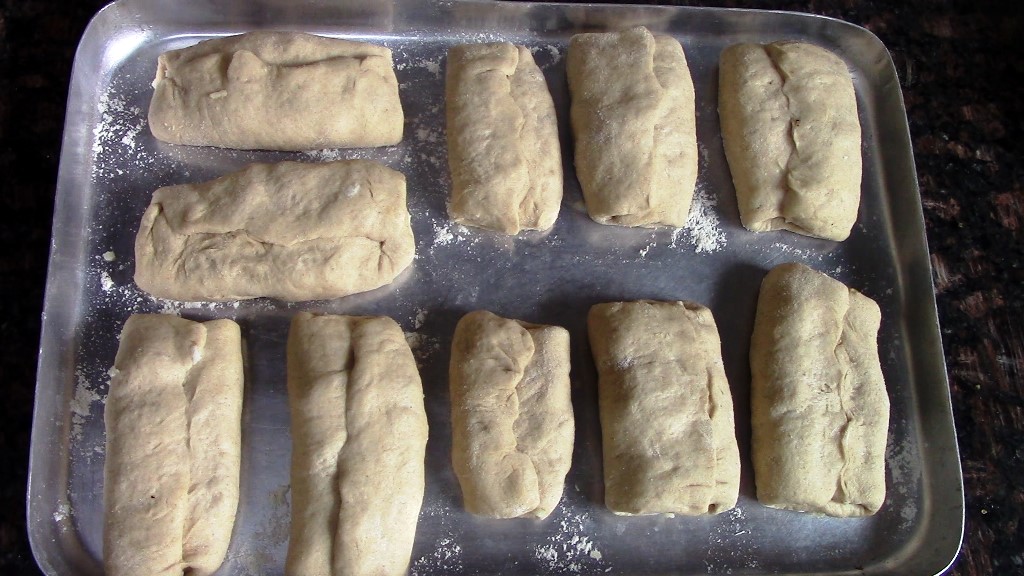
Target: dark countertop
[958,62]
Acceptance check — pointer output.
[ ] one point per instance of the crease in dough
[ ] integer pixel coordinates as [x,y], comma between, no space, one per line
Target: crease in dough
[512,419]
[173,424]
[819,405]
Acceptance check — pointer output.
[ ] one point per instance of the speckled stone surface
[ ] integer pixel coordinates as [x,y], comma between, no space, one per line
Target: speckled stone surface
[960,63]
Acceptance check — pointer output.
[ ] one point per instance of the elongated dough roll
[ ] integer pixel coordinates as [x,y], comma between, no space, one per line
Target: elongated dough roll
[792,138]
[512,420]
[819,406]
[173,451]
[503,149]
[634,122]
[359,436]
[291,230]
[277,91]
[666,410]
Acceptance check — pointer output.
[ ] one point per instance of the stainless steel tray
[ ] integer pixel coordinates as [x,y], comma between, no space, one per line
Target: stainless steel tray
[110,164]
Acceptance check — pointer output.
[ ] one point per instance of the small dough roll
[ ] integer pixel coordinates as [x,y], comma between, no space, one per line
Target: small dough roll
[819,407]
[666,409]
[277,91]
[173,453]
[503,150]
[634,122]
[291,230]
[359,437]
[792,138]
[512,419]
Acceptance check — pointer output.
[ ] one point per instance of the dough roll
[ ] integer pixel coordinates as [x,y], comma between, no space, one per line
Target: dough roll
[503,148]
[277,91]
[291,230]
[634,123]
[666,410]
[792,138]
[512,419]
[819,408]
[359,436]
[173,449]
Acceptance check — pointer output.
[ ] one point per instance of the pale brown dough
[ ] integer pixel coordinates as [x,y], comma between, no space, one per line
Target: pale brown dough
[512,419]
[792,138]
[277,91]
[667,426]
[634,125]
[819,407]
[173,448]
[291,230]
[503,149]
[359,436]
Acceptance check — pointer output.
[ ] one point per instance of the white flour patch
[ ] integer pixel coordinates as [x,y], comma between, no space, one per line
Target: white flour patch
[62,515]
[645,250]
[109,256]
[106,282]
[116,144]
[447,232]
[702,228]
[81,404]
[570,550]
[419,318]
[805,253]
[446,558]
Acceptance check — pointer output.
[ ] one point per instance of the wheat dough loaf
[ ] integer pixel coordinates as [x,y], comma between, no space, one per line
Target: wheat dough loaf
[503,149]
[291,230]
[512,419]
[819,408]
[173,446]
[667,426]
[634,126]
[277,91]
[792,138]
[359,435]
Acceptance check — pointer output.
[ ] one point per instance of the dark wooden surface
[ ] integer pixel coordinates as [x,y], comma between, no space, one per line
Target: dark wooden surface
[960,64]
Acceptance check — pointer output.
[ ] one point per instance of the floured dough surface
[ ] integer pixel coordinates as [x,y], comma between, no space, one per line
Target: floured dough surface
[634,126]
[503,148]
[291,230]
[819,407]
[173,449]
[667,426]
[359,435]
[512,419]
[792,138]
[277,91]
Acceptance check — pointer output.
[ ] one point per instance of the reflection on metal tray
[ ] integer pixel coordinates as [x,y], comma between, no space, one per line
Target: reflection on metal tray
[110,164]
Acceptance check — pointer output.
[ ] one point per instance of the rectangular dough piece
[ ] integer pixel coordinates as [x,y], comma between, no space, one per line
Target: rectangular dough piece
[634,126]
[666,410]
[277,91]
[503,149]
[819,408]
[512,419]
[173,450]
[359,436]
[792,138]
[291,230]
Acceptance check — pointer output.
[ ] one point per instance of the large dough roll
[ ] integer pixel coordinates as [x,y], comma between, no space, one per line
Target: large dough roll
[277,91]
[173,451]
[666,410]
[512,419]
[503,148]
[359,436]
[819,407]
[634,122]
[792,138]
[291,230]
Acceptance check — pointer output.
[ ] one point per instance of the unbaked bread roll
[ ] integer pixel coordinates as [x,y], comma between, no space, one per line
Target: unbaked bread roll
[666,410]
[359,436]
[512,420]
[277,91]
[792,138]
[819,407]
[503,149]
[173,449]
[291,230]
[634,122]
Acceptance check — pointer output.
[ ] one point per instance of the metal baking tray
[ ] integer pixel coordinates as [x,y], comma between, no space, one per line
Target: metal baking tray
[110,164]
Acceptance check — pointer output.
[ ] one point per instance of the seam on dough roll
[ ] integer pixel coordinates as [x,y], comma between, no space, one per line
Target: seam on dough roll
[819,405]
